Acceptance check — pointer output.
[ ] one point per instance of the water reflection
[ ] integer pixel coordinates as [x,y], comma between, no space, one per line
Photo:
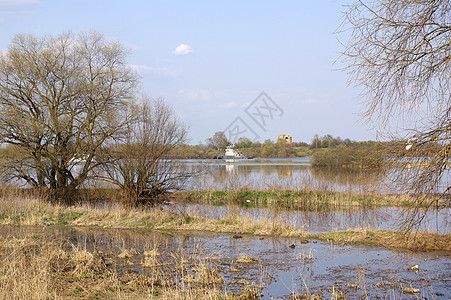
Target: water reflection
[283,175]
[295,175]
[348,177]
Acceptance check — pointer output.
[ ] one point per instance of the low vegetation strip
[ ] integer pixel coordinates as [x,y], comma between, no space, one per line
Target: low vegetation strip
[288,197]
[415,241]
[35,213]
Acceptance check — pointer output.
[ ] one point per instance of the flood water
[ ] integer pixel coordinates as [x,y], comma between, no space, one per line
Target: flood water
[318,220]
[279,269]
[295,173]
[283,267]
[385,272]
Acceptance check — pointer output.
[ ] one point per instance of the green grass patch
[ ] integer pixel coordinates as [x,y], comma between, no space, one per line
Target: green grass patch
[66,218]
[78,290]
[291,198]
[218,194]
[48,219]
[415,241]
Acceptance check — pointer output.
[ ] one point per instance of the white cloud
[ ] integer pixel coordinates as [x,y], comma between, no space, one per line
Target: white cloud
[182,49]
[309,101]
[18,3]
[230,104]
[195,94]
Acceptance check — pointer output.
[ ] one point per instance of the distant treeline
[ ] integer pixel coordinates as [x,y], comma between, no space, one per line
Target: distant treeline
[267,149]
[325,151]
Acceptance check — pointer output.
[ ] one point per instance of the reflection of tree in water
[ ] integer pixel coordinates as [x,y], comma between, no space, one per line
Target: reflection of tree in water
[342,218]
[253,175]
[313,218]
[226,176]
[266,170]
[286,176]
[284,171]
[349,177]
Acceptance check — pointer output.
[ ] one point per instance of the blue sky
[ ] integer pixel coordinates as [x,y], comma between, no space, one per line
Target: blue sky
[211,59]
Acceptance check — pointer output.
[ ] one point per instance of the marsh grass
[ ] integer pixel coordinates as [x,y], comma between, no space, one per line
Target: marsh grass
[29,212]
[414,241]
[22,275]
[247,259]
[294,199]
[20,208]
[55,266]
[35,267]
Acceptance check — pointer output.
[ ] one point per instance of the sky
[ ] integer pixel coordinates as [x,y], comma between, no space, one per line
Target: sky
[252,69]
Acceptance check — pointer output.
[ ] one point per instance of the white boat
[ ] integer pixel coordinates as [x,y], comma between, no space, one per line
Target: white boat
[231,153]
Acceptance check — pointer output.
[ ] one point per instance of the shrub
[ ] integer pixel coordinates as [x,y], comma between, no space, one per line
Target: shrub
[367,155]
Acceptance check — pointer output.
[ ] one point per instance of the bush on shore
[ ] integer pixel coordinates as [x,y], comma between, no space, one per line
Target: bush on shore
[364,155]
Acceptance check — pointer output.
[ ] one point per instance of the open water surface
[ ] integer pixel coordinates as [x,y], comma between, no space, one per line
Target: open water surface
[295,173]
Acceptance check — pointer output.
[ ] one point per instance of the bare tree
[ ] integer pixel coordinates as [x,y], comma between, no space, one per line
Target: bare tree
[204,147]
[218,140]
[61,99]
[138,161]
[399,51]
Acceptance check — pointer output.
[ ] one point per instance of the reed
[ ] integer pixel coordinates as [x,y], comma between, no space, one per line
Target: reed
[32,267]
[294,198]
[413,241]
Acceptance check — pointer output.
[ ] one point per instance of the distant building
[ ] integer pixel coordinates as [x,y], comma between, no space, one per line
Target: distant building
[284,138]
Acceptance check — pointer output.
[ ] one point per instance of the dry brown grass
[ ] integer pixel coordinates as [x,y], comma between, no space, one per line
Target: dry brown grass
[32,212]
[413,241]
[27,211]
[204,276]
[247,259]
[233,224]
[22,275]
[32,267]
